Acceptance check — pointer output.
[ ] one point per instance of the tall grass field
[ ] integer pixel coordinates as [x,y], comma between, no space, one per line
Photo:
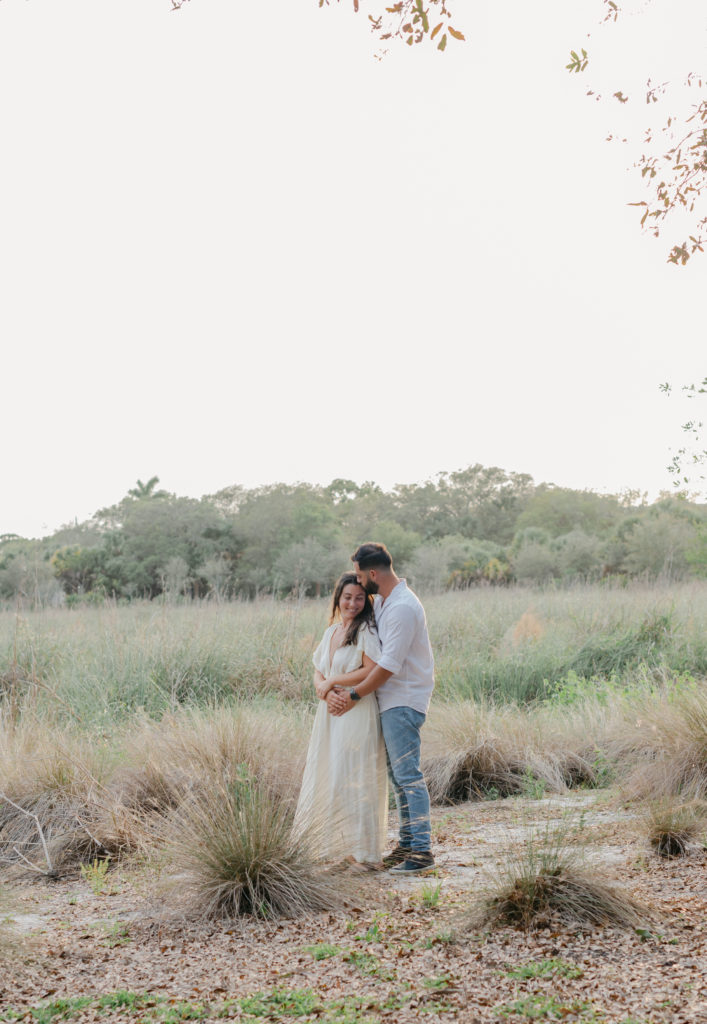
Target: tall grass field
[144,730]
[97,666]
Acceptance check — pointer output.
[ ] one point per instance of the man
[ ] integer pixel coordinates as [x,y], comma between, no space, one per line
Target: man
[403,680]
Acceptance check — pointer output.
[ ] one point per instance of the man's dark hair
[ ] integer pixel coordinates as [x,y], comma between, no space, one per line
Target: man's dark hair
[371,556]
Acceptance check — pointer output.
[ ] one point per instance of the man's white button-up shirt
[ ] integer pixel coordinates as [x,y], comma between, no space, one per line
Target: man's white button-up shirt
[402,629]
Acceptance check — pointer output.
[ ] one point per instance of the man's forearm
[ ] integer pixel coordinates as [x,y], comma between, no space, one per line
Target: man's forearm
[375,678]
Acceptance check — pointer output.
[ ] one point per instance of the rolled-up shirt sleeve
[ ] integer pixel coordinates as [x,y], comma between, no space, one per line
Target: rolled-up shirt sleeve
[399,635]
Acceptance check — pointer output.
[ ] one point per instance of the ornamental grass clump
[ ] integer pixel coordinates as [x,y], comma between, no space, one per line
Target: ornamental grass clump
[234,854]
[474,750]
[546,881]
[673,827]
[667,744]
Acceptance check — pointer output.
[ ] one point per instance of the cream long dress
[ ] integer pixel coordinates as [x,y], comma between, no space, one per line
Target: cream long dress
[343,802]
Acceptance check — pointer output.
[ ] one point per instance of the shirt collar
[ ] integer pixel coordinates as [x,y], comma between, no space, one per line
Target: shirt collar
[397,591]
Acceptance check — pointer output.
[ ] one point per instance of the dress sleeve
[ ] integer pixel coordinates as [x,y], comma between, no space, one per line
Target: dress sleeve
[319,658]
[371,644]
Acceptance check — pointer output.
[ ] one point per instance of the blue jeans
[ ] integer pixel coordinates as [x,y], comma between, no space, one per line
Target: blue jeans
[401,732]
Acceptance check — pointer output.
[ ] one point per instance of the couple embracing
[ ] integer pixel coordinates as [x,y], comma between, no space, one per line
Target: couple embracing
[374,675]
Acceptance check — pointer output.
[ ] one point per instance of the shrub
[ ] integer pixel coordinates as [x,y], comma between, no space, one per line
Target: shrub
[235,853]
[673,827]
[473,750]
[545,880]
[667,745]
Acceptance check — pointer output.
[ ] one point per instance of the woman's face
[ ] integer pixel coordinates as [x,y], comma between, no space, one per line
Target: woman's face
[351,602]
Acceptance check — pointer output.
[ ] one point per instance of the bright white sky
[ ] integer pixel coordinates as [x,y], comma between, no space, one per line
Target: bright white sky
[236,248]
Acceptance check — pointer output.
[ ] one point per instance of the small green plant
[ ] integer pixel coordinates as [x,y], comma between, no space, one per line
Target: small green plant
[369,965]
[603,771]
[438,983]
[122,999]
[442,938]
[183,1011]
[60,1009]
[430,895]
[117,934]
[537,1007]
[280,1002]
[322,951]
[373,933]
[545,969]
[532,787]
[95,874]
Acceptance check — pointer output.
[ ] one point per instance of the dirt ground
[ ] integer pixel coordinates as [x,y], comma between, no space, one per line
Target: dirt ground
[395,951]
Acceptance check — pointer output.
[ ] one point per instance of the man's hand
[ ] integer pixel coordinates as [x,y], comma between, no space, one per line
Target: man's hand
[339,702]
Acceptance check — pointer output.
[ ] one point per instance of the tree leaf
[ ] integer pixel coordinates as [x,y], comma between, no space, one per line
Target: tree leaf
[456,34]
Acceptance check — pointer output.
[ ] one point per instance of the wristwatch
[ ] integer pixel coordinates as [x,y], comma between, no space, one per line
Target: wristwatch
[353,695]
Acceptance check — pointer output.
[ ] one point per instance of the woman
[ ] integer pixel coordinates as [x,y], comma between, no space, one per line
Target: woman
[343,803]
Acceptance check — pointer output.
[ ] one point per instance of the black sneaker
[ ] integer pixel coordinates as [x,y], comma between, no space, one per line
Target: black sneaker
[396,856]
[416,863]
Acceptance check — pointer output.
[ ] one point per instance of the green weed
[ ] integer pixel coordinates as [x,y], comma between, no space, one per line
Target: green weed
[60,1009]
[281,1003]
[430,895]
[322,951]
[546,969]
[95,874]
[122,999]
[369,965]
[117,933]
[532,787]
[537,1007]
[438,983]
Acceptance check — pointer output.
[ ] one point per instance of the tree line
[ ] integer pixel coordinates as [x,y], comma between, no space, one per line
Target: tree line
[477,526]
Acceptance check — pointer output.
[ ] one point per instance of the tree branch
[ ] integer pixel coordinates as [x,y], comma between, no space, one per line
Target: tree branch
[51,873]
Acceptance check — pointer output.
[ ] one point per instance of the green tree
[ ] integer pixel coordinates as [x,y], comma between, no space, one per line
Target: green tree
[578,554]
[141,490]
[159,529]
[271,519]
[479,501]
[307,565]
[26,574]
[79,570]
[560,510]
[535,563]
[659,545]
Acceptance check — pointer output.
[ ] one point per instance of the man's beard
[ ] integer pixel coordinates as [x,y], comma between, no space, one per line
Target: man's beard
[371,587]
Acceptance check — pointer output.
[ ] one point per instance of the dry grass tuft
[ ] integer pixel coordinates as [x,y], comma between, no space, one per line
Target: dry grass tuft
[527,629]
[51,783]
[215,743]
[545,881]
[673,827]
[666,745]
[473,750]
[235,855]
[95,799]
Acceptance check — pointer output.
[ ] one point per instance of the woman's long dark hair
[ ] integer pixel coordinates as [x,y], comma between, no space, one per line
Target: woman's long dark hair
[365,616]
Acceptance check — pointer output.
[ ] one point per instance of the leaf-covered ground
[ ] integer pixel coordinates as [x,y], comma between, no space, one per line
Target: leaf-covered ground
[393,953]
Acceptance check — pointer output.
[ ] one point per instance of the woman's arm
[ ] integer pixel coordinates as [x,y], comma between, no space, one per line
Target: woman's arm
[321,685]
[349,679]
